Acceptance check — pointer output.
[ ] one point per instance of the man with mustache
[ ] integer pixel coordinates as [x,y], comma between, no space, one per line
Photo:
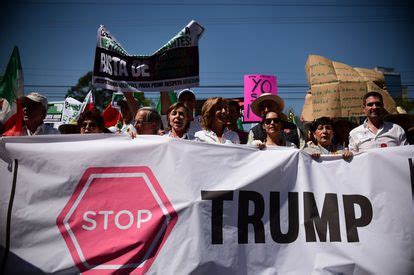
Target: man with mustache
[375,132]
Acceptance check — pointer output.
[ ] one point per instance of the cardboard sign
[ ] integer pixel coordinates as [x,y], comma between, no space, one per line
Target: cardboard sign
[337,89]
[254,86]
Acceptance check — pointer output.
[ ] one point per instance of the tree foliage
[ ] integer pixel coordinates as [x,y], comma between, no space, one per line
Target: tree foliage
[102,96]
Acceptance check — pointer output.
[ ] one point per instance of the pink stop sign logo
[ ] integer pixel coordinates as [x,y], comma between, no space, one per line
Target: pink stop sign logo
[118,218]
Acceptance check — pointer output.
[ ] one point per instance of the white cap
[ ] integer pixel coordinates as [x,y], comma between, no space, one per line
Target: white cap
[183,92]
[36,97]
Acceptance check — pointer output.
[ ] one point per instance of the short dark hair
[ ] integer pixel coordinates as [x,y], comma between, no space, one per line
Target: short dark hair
[93,115]
[373,94]
[320,121]
[235,104]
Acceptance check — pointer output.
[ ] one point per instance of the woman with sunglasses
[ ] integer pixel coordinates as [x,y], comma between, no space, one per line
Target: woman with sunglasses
[91,122]
[323,133]
[272,124]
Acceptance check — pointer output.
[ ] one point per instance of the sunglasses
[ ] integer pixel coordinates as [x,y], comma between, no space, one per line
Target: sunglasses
[378,104]
[268,121]
[88,124]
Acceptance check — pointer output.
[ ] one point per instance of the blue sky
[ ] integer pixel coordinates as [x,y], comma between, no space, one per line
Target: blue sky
[57,39]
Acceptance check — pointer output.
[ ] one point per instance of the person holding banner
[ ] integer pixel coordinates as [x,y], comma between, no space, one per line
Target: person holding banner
[272,125]
[323,133]
[91,122]
[178,121]
[265,103]
[214,115]
[375,132]
[147,122]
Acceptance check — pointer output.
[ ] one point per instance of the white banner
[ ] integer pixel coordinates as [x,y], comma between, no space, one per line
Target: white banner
[102,203]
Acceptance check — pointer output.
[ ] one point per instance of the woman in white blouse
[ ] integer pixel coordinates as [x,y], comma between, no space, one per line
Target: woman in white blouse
[178,120]
[214,119]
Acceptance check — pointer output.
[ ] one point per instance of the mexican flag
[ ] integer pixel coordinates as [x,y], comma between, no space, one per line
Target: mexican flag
[111,116]
[11,87]
[88,103]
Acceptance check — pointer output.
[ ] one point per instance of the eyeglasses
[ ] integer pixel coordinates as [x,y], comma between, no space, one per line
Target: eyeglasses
[89,124]
[268,121]
[378,104]
[136,123]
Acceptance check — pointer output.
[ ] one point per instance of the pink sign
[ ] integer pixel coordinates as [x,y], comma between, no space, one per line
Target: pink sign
[254,86]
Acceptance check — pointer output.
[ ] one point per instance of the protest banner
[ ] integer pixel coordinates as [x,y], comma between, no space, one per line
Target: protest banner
[54,112]
[254,86]
[106,203]
[337,89]
[173,66]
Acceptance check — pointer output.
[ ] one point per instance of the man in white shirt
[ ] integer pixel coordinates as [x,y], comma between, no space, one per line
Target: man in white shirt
[375,132]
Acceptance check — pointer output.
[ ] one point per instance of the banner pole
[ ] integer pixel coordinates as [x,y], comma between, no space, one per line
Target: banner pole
[9,214]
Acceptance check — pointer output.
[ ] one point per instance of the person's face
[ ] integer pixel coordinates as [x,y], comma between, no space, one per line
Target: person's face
[33,112]
[188,100]
[272,123]
[323,135]
[142,126]
[178,119]
[89,126]
[268,106]
[374,107]
[221,113]
[234,114]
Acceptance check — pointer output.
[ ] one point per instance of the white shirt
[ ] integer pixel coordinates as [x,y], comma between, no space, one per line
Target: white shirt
[195,126]
[362,138]
[43,129]
[211,137]
[185,136]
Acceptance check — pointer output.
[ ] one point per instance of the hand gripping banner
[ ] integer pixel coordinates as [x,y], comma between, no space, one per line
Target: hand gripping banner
[174,66]
[108,204]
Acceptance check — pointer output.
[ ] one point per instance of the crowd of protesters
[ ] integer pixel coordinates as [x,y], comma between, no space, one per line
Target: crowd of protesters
[218,123]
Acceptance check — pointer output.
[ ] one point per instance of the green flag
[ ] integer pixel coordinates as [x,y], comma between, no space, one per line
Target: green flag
[11,85]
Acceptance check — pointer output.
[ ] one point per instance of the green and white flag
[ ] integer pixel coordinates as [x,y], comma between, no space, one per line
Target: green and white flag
[11,87]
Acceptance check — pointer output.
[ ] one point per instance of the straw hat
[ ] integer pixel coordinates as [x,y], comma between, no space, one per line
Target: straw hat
[267,96]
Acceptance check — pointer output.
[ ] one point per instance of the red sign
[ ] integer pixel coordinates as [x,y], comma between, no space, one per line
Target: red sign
[118,218]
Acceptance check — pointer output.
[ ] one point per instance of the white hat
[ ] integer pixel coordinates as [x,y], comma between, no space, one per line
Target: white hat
[184,92]
[36,97]
[267,96]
